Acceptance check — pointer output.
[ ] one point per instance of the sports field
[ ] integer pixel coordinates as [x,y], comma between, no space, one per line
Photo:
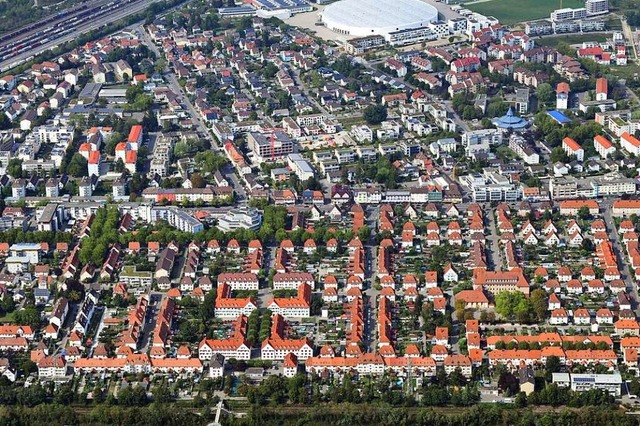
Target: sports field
[512,11]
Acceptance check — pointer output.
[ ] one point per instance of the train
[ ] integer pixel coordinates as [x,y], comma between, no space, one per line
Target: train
[81,16]
[45,21]
[64,17]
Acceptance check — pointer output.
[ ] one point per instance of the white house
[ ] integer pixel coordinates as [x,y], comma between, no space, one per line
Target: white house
[449,274]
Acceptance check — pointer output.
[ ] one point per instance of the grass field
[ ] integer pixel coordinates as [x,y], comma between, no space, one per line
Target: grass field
[7,319]
[571,39]
[511,11]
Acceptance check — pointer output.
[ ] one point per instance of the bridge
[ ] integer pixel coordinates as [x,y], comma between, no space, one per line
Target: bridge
[219,410]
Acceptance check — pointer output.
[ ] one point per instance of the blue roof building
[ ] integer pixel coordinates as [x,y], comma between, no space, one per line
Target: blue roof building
[559,117]
[510,121]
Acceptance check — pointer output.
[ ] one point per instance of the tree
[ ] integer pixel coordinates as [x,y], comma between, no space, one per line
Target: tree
[435,396]
[208,162]
[460,308]
[119,165]
[133,92]
[508,383]
[98,394]
[524,311]
[188,331]
[521,400]
[7,305]
[207,308]
[459,100]
[552,365]
[161,394]
[558,155]
[114,139]
[456,378]
[538,300]
[198,181]
[634,386]
[375,114]
[31,396]
[364,233]
[507,302]
[28,316]
[63,395]
[14,168]
[486,316]
[28,366]
[544,92]
[5,123]
[470,112]
[77,166]
[160,65]
[583,213]
[487,123]
[132,397]
[497,108]
[270,70]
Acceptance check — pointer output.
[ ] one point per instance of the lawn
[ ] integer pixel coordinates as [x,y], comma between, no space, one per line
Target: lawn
[510,12]
[629,72]
[571,39]
[347,122]
[7,319]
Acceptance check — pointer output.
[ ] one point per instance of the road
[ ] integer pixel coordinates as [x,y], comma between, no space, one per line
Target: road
[628,34]
[444,10]
[370,293]
[612,232]
[174,85]
[460,123]
[492,249]
[521,329]
[269,262]
[155,300]
[370,65]
[295,73]
[101,325]
[632,94]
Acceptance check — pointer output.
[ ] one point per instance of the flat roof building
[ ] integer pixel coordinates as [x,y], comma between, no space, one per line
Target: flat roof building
[266,149]
[611,383]
[360,18]
[300,166]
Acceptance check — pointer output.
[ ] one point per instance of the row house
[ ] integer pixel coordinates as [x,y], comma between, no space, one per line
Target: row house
[239,281]
[529,78]
[138,363]
[277,346]
[164,321]
[515,357]
[298,307]
[24,331]
[571,207]
[504,52]
[236,346]
[292,280]
[503,67]
[14,344]
[628,327]
[228,307]
[372,365]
